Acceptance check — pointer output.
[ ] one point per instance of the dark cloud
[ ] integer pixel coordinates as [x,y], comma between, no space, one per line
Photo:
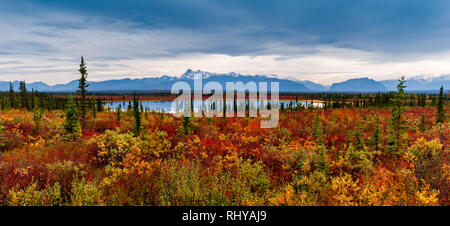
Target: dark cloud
[116,34]
[26,47]
[246,26]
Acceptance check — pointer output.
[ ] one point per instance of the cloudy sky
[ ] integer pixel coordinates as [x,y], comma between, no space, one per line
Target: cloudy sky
[321,41]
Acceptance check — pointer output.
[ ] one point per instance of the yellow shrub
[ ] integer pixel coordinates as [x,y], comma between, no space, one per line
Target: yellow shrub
[427,197]
[86,194]
[311,188]
[284,198]
[423,148]
[112,146]
[32,196]
[155,144]
[344,190]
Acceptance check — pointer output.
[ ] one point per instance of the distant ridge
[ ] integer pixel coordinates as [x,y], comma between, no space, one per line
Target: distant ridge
[358,85]
[164,83]
[420,83]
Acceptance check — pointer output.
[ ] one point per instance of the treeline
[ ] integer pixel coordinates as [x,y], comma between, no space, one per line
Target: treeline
[34,100]
[349,100]
[377,100]
[31,100]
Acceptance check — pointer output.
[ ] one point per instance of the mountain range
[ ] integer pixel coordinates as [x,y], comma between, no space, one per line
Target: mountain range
[164,83]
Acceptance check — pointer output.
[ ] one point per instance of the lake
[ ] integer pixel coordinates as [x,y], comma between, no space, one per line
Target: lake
[166,106]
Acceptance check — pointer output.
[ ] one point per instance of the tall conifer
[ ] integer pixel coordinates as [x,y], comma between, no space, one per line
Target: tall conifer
[83,91]
[440,107]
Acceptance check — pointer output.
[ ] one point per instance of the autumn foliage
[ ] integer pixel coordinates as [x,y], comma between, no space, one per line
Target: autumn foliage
[313,157]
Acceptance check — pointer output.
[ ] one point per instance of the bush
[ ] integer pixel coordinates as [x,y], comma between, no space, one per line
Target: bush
[65,173]
[32,196]
[155,144]
[86,194]
[182,184]
[112,146]
[429,164]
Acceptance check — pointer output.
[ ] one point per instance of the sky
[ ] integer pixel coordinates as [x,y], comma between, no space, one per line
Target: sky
[317,40]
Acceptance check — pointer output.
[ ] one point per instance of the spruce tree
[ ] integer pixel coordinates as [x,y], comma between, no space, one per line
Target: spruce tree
[186,125]
[23,95]
[318,130]
[37,119]
[119,110]
[422,124]
[129,106]
[357,134]
[71,123]
[99,105]
[137,116]
[440,107]
[83,91]
[225,108]
[397,124]
[376,132]
[94,109]
[12,96]
[3,102]
[32,100]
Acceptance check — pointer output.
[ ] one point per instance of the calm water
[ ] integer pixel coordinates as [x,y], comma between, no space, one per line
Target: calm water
[166,106]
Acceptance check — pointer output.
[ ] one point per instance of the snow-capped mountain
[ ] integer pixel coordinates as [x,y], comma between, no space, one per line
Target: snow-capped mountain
[190,74]
[165,82]
[417,83]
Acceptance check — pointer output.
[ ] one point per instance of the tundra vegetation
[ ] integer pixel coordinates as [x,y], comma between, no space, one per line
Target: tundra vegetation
[359,149]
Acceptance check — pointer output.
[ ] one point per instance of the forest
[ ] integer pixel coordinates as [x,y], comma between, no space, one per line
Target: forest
[379,149]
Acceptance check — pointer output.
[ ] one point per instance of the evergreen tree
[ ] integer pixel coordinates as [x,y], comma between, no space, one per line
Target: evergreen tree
[186,125]
[397,124]
[3,103]
[145,113]
[433,100]
[119,109]
[32,100]
[83,91]
[94,109]
[129,106]
[137,116]
[422,124]
[71,123]
[440,107]
[376,132]
[359,142]
[318,130]
[12,96]
[23,95]
[235,107]
[99,105]
[37,119]
[224,108]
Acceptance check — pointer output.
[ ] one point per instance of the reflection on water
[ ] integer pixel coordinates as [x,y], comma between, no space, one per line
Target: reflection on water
[208,106]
